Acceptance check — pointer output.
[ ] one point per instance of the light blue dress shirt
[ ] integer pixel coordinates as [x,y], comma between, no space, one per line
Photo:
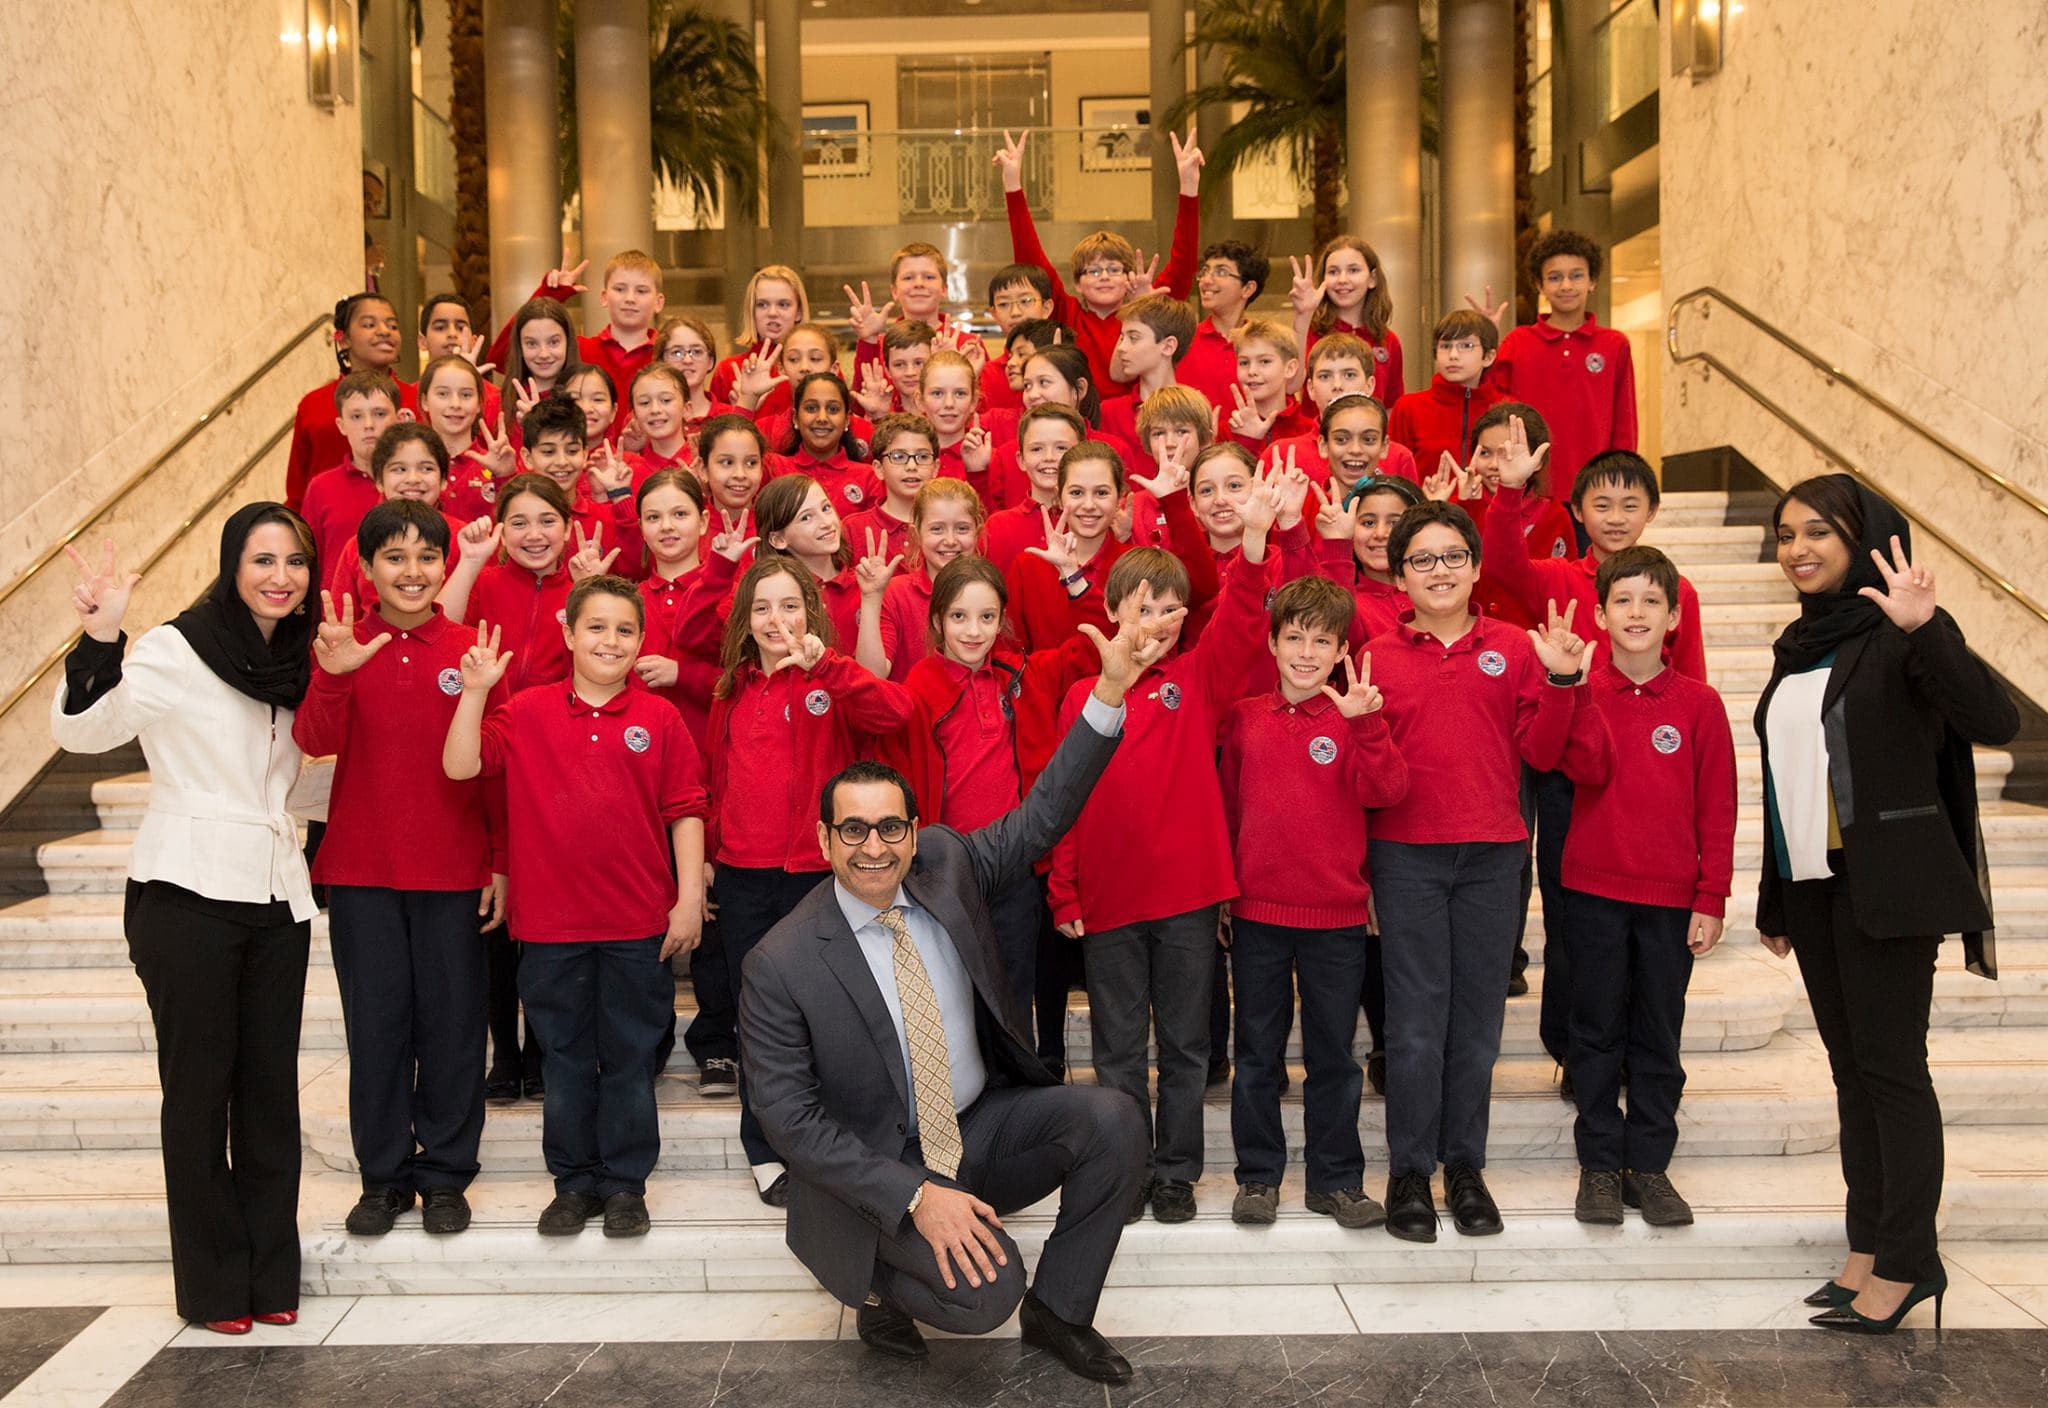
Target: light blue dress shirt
[950,985]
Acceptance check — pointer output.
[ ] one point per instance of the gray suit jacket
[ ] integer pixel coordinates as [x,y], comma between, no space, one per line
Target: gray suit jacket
[823,1067]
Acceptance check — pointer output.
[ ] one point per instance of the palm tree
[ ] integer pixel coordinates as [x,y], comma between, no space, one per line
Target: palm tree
[710,112]
[1284,61]
[471,256]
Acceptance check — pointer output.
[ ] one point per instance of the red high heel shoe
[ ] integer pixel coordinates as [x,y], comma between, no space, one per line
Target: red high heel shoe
[237,1326]
[278,1317]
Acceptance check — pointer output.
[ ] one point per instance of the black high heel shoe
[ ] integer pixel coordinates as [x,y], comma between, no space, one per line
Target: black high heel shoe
[1831,1294]
[1849,1320]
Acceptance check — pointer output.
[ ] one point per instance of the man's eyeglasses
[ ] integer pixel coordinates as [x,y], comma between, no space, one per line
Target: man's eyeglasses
[854,830]
[922,458]
[1427,561]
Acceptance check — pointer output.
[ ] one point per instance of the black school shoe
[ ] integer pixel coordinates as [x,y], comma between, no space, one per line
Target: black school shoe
[501,1088]
[1599,1200]
[445,1211]
[565,1216]
[1472,1208]
[1659,1201]
[376,1210]
[1411,1208]
[1173,1200]
[1143,1201]
[625,1215]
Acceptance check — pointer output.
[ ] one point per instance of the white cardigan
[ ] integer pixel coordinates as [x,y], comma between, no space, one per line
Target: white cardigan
[220,767]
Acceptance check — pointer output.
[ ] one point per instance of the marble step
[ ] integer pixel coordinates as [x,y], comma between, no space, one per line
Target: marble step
[1758,1217]
[1696,544]
[1748,582]
[1711,506]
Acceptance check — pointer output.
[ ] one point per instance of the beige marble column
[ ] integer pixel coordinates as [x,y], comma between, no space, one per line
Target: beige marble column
[1167,31]
[742,220]
[1383,133]
[783,37]
[613,115]
[1219,218]
[525,170]
[1476,58]
[1581,108]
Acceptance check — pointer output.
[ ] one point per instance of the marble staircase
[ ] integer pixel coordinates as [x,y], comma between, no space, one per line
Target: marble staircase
[80,1179]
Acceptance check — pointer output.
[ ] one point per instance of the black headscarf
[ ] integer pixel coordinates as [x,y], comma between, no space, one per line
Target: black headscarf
[223,633]
[1827,619]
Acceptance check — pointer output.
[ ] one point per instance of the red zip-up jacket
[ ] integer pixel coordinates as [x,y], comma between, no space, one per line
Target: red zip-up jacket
[1440,419]
[530,612]
[1042,615]
[1546,533]
[1653,810]
[1583,382]
[1292,771]
[775,741]
[695,675]
[1537,581]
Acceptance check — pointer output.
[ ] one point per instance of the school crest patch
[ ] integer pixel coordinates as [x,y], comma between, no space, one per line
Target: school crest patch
[1664,738]
[1493,663]
[1323,749]
[639,739]
[487,487]
[1379,354]
[1595,363]
[818,701]
[1557,549]
[1169,695]
[854,494]
[450,680]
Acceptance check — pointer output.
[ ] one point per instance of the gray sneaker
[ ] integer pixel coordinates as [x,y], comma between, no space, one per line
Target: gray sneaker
[1256,1205]
[1653,1193]
[1350,1206]
[1599,1197]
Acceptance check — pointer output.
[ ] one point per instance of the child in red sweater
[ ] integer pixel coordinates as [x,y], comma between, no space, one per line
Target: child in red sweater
[1440,419]
[789,712]
[1647,870]
[1232,275]
[404,919]
[1145,867]
[1268,364]
[1469,701]
[1108,272]
[1302,913]
[775,302]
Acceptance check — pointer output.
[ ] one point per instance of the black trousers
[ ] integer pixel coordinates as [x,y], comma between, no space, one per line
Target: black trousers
[1630,968]
[1372,993]
[714,1032]
[227,986]
[1038,964]
[511,1054]
[1870,1001]
[1019,1144]
[411,967]
[750,903]
[1547,811]
[1270,962]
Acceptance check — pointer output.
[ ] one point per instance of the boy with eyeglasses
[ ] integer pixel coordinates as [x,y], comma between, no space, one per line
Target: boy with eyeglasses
[1468,701]
[1577,373]
[1230,277]
[905,455]
[1440,419]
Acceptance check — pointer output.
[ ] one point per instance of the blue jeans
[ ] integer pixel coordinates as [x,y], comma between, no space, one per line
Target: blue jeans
[1269,962]
[1449,914]
[600,1010]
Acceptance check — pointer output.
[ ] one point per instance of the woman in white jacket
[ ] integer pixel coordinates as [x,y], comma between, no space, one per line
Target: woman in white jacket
[219,904]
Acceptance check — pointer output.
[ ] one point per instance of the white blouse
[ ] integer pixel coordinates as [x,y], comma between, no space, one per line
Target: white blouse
[220,767]
[1799,770]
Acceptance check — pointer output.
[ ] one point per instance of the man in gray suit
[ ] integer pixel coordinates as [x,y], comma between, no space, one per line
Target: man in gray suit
[889,1068]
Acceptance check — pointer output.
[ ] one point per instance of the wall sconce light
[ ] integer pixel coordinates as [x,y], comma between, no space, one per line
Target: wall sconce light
[330,36]
[1696,38]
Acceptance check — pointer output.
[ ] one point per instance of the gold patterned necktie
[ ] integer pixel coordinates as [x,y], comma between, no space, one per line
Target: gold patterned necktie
[931,1075]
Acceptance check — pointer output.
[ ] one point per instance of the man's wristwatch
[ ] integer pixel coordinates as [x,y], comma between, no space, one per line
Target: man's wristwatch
[916,1199]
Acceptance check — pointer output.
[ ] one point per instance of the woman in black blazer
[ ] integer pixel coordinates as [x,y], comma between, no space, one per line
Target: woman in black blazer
[1872,853]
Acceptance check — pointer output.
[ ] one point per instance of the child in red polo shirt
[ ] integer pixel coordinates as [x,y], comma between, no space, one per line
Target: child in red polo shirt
[1439,420]
[905,453]
[451,397]
[524,591]
[733,459]
[823,445]
[1363,522]
[671,503]
[1647,870]
[1468,702]
[1044,435]
[1232,274]
[1145,866]
[1263,409]
[788,712]
[582,757]
[685,343]
[1580,375]
[1301,916]
[889,383]
[1345,291]
[1017,294]
[366,338]
[364,404]
[1108,272]
[407,464]
[661,402]
[591,388]
[775,301]
[946,523]
[1155,333]
[404,918]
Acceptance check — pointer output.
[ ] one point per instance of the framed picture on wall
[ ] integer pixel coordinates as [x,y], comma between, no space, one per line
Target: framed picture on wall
[1116,134]
[836,139]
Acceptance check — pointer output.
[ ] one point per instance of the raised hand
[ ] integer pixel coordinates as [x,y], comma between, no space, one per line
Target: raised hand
[1305,290]
[590,559]
[759,374]
[1453,479]
[101,596]
[497,453]
[1360,695]
[632,439]
[1123,525]
[1908,596]
[1333,520]
[1143,277]
[482,665]
[733,543]
[525,396]
[1561,652]
[1519,464]
[970,346]
[1062,548]
[471,349]
[608,470]
[976,452]
[1261,506]
[479,539]
[876,395]
[335,645]
[809,651]
[560,278]
[1291,483]
[1486,307]
[1139,643]
[1172,478]
[1010,160]
[1187,160]
[876,567]
[868,321]
[1248,422]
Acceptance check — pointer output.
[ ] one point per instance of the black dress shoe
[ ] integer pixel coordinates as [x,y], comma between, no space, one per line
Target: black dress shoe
[887,1330]
[536,1088]
[1219,1073]
[1173,1200]
[625,1215]
[1472,1207]
[501,1089]
[1518,985]
[445,1211]
[376,1210]
[776,1194]
[1411,1209]
[1076,1346]
[565,1216]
